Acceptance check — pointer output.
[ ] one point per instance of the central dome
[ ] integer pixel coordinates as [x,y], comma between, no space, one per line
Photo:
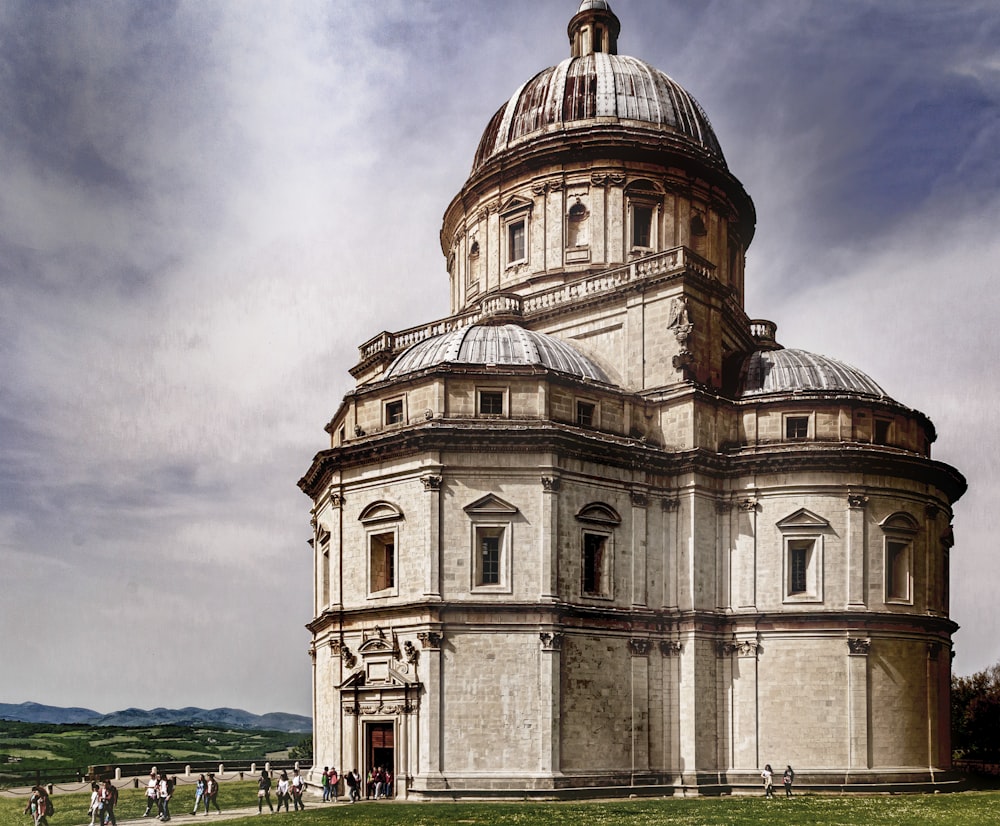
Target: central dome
[599,87]
[596,85]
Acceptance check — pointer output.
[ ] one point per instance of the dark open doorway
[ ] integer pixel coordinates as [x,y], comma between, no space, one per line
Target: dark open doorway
[380,747]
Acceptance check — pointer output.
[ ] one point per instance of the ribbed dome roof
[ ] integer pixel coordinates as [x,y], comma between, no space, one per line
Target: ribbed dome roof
[767,372]
[599,85]
[506,344]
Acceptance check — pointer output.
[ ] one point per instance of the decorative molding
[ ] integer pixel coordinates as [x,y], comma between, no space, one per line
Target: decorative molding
[670,503]
[670,648]
[411,653]
[933,650]
[551,642]
[857,500]
[639,646]
[431,482]
[725,649]
[859,646]
[639,499]
[349,659]
[748,504]
[550,483]
[358,431]
[932,510]
[335,648]
[430,640]
[948,537]
[747,648]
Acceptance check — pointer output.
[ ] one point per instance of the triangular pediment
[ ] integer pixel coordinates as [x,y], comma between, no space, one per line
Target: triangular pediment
[490,505]
[515,204]
[360,679]
[803,518]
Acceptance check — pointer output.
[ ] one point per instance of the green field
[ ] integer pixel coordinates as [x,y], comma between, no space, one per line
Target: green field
[961,809]
[36,746]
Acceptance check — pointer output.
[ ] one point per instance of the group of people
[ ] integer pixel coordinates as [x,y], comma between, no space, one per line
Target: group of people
[39,806]
[786,779]
[288,789]
[103,798]
[160,789]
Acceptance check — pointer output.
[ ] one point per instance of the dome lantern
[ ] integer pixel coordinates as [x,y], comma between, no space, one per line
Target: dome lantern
[594,28]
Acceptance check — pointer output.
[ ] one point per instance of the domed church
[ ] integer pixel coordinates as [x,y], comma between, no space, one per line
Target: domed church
[596,531]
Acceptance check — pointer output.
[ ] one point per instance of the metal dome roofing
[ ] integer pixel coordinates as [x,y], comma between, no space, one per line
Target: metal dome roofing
[599,85]
[767,372]
[505,344]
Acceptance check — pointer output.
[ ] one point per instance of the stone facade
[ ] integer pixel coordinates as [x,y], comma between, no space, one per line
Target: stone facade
[596,529]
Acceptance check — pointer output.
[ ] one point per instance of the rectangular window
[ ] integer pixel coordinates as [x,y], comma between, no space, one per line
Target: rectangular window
[642,225]
[897,571]
[798,563]
[394,412]
[796,427]
[488,540]
[382,560]
[490,402]
[803,569]
[594,553]
[516,250]
[585,413]
[881,435]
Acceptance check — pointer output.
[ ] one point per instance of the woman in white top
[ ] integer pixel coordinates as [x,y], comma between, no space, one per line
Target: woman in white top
[96,809]
[283,794]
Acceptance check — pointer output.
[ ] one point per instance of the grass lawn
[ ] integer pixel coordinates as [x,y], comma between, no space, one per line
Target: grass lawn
[967,808]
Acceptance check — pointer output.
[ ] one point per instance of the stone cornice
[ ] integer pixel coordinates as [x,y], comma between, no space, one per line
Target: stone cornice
[623,452]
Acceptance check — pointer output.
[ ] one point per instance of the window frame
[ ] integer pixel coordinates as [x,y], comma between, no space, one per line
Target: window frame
[373,535]
[788,418]
[898,545]
[649,203]
[881,423]
[595,411]
[605,589]
[510,225]
[389,420]
[502,530]
[502,392]
[811,546]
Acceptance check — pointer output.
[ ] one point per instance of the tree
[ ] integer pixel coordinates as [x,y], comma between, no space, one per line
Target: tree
[975,714]
[303,751]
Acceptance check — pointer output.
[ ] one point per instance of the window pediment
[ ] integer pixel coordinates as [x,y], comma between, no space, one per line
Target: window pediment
[599,513]
[515,205]
[900,522]
[380,511]
[490,505]
[803,519]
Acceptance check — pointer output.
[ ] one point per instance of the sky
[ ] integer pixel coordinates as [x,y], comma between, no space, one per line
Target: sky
[207,206]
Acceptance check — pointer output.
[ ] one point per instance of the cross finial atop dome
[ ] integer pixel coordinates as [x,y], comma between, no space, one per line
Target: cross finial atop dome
[594,28]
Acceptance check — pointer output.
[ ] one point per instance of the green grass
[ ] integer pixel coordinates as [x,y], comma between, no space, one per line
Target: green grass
[962,809]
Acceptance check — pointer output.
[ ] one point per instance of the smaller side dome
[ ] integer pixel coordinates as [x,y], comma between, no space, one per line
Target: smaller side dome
[770,372]
[496,344]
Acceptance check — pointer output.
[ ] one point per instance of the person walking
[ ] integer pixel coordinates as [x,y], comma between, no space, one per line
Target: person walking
[326,784]
[95,804]
[38,806]
[199,793]
[283,791]
[768,776]
[264,792]
[212,793]
[787,779]
[151,786]
[298,787]
[109,798]
[163,794]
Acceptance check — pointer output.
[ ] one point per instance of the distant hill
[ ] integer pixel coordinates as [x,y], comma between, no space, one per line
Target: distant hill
[221,717]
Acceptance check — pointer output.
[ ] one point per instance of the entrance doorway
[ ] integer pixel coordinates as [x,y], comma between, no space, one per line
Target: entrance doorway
[380,748]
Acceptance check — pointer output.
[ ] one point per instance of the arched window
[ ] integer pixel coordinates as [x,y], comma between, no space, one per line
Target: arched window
[900,529]
[577,225]
[597,549]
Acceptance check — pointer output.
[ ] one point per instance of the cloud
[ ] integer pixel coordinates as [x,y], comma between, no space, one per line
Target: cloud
[208,206]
